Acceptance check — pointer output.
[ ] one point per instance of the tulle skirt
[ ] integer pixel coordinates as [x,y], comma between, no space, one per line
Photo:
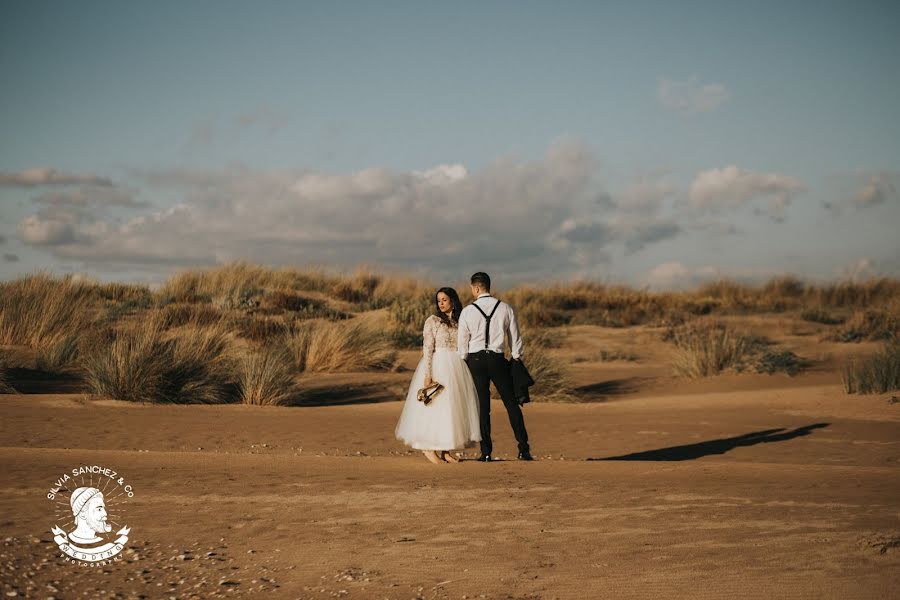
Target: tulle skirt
[450,420]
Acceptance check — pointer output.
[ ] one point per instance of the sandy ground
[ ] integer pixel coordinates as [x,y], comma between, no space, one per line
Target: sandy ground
[739,486]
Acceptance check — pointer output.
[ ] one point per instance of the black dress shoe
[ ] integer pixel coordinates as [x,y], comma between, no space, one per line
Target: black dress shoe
[525,456]
[485,458]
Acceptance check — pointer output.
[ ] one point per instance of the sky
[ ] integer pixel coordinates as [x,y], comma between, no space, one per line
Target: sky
[655,144]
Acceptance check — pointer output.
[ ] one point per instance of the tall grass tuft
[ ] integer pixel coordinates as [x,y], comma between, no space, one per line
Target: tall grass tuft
[144,363]
[876,374]
[42,311]
[59,355]
[265,376]
[705,349]
[871,324]
[318,346]
[551,383]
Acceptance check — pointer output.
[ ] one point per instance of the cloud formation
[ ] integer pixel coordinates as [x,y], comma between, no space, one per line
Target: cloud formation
[731,187]
[47,176]
[548,215]
[878,188]
[691,97]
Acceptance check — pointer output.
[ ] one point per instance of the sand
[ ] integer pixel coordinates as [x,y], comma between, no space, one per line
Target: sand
[741,486]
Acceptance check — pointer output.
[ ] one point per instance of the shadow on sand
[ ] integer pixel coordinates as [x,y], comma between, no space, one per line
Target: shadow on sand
[344,394]
[720,446]
[37,381]
[604,390]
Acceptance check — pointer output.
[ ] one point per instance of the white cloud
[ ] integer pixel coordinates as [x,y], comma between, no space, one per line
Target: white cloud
[521,217]
[51,227]
[691,97]
[48,176]
[878,188]
[730,187]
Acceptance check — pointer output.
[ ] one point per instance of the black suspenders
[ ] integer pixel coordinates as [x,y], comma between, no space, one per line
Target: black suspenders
[487,326]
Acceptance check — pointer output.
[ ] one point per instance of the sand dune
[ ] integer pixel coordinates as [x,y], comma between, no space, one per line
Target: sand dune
[784,491]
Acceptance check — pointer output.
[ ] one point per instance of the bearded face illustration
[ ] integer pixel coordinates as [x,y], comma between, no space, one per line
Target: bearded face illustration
[89,510]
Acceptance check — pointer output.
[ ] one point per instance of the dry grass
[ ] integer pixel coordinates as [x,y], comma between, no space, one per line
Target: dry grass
[408,317]
[591,303]
[819,315]
[68,322]
[265,377]
[876,374]
[708,348]
[551,383]
[321,346]
[42,311]
[871,324]
[144,363]
[242,285]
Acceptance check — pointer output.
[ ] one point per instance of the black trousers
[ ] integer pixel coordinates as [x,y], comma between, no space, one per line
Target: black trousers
[487,367]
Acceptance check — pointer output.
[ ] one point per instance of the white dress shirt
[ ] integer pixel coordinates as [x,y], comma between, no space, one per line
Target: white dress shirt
[503,323]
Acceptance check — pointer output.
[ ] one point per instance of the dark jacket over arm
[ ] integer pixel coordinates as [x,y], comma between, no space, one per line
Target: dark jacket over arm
[521,380]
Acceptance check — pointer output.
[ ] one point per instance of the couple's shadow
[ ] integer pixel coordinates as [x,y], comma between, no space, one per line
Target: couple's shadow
[719,446]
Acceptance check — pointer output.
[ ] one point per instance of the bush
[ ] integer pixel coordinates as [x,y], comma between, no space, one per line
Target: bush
[141,364]
[876,374]
[265,376]
[771,362]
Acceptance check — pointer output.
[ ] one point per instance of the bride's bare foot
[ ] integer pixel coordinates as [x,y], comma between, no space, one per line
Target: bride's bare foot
[432,457]
[448,456]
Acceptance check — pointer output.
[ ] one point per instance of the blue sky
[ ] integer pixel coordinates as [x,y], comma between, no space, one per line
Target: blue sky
[647,142]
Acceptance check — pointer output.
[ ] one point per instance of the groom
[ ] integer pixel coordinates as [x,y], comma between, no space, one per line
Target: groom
[483,326]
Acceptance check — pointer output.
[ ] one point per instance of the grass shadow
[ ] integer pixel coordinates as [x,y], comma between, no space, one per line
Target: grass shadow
[601,391]
[344,394]
[719,446]
[37,381]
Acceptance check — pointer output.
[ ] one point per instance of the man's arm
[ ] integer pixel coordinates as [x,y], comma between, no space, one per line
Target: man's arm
[516,345]
[462,336]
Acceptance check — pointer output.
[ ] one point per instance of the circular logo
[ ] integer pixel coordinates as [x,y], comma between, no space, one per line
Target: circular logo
[88,503]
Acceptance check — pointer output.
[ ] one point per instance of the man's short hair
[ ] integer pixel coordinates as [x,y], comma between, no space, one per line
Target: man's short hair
[482,279]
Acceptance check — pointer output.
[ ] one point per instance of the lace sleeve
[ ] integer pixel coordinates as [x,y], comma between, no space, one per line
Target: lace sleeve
[428,344]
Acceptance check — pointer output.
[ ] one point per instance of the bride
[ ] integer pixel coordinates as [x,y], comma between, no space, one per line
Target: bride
[450,420]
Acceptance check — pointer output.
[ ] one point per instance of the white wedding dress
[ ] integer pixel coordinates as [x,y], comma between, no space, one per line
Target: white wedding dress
[450,420]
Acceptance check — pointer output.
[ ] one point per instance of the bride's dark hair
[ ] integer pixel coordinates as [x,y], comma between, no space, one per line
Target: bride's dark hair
[454,300]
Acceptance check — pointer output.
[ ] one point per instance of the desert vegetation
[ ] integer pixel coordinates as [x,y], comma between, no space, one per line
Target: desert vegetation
[876,374]
[246,333]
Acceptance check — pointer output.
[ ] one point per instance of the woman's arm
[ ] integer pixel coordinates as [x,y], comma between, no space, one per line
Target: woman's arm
[428,342]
